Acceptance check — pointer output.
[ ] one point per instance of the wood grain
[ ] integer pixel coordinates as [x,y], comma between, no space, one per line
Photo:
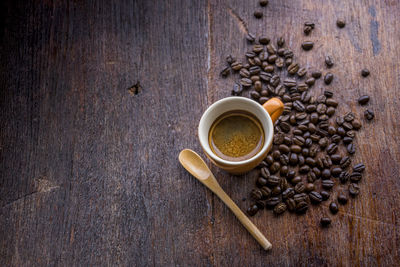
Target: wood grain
[89,172]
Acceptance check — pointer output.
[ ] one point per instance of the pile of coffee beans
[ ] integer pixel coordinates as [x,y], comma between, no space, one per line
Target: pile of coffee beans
[313,145]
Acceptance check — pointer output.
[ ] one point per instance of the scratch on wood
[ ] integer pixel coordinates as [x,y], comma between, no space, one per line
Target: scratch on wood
[367,219]
[374,27]
[240,22]
[210,98]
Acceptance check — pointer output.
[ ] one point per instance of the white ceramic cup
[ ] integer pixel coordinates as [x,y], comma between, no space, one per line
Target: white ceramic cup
[267,114]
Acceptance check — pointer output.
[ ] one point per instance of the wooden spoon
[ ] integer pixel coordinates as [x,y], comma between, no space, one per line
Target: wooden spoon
[194,164]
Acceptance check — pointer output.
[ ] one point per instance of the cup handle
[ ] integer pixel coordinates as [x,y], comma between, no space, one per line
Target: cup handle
[274,107]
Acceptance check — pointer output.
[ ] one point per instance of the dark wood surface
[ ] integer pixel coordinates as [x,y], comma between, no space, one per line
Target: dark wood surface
[89,172]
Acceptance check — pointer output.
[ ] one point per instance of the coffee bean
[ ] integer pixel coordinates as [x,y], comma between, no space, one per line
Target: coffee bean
[326,174]
[307,45]
[325,195]
[321,109]
[347,126]
[278,138]
[256,194]
[325,221]
[336,171]
[332,148]
[276,190]
[351,149]
[291,204]
[284,170]
[301,72]
[263,2]
[356,124]
[295,148]
[369,114]
[351,133]
[264,171]
[297,105]
[293,159]
[288,140]
[288,193]
[323,142]
[342,198]
[355,177]
[313,151]
[360,167]
[311,177]
[347,140]
[261,181]
[314,117]
[230,59]
[315,197]
[331,102]
[307,30]
[258,14]
[293,68]
[316,74]
[299,141]
[250,37]
[263,40]
[363,100]
[280,208]
[349,117]
[246,82]
[333,207]
[336,138]
[255,95]
[279,62]
[328,61]
[354,189]
[328,78]
[266,192]
[300,188]
[340,131]
[271,49]
[274,168]
[300,197]
[284,149]
[305,151]
[296,180]
[262,100]
[327,184]
[276,154]
[341,23]
[225,72]
[272,202]
[345,162]
[237,89]
[260,204]
[301,207]
[252,210]
[304,169]
[283,184]
[291,174]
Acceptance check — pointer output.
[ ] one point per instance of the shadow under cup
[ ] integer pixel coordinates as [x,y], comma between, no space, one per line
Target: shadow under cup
[233,104]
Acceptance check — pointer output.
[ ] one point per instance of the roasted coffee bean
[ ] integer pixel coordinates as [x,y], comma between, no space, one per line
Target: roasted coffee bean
[301,207]
[269,68]
[285,127]
[266,192]
[307,45]
[272,58]
[328,78]
[255,95]
[300,197]
[276,154]
[333,207]
[257,86]
[330,111]
[284,169]
[263,40]
[272,202]
[297,105]
[225,72]
[296,180]
[331,130]
[315,197]
[299,188]
[307,30]
[311,177]
[326,174]
[254,78]
[325,221]
[316,171]
[312,128]
[351,133]
[369,114]
[336,171]
[354,189]
[283,184]
[274,168]
[325,195]
[280,208]
[279,62]
[309,187]
[258,14]
[284,149]
[327,161]
[252,210]
[260,204]
[281,52]
[342,198]
[288,140]
[230,59]
[245,82]
[329,61]
[364,72]
[275,79]
[278,138]
[310,81]
[316,74]
[291,174]
[261,181]
[237,89]
[305,151]
[356,124]
[253,70]
[328,94]
[295,148]
[339,120]
[351,149]
[293,68]
[276,191]
[347,140]
[280,42]
[345,162]
[304,169]
[288,193]
[262,100]
[355,177]
[336,139]
[321,108]
[327,184]
[236,66]
[323,142]
[305,98]
[262,164]
[363,100]
[264,171]
[250,37]
[280,90]
[313,151]
[291,204]
[256,194]
[331,102]
[341,23]
[302,127]
[314,117]
[293,159]
[310,161]
[286,98]
[340,131]
[251,54]
[332,148]
[347,126]
[302,87]
[349,117]
[244,73]
[301,72]
[299,141]
[359,167]
[321,99]
[322,132]
[273,180]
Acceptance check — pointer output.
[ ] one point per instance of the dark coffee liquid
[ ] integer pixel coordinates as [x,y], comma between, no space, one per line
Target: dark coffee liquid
[236,136]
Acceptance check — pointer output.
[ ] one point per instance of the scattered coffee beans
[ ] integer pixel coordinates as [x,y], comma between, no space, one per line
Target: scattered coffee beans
[364,72]
[258,14]
[341,23]
[325,221]
[263,2]
[363,100]
[308,45]
[369,114]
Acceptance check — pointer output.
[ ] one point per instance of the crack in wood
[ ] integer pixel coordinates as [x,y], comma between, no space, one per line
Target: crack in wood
[239,21]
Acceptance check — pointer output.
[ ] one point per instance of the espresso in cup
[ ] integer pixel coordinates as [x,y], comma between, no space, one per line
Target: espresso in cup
[236,136]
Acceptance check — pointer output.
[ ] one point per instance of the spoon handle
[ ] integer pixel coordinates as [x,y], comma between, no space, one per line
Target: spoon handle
[241,216]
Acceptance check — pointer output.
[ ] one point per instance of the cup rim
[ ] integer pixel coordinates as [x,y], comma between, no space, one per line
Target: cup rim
[267,141]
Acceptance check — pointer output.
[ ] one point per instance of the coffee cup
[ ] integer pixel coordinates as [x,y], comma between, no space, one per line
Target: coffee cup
[266,115]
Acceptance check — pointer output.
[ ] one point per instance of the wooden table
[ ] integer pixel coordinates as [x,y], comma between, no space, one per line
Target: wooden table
[89,171]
